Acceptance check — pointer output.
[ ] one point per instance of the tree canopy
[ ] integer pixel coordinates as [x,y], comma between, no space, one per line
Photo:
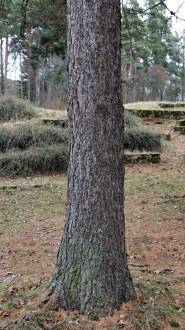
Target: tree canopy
[33,35]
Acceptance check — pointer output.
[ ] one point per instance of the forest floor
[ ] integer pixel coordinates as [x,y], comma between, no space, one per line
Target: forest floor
[32,213]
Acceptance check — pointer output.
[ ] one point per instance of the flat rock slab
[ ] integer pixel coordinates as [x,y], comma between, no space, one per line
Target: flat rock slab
[181,122]
[166,113]
[140,158]
[55,122]
[180,129]
[171,104]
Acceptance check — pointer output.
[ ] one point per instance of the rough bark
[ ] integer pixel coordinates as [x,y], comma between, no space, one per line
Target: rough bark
[91,273]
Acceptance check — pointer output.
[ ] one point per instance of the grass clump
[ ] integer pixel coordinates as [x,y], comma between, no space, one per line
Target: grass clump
[27,135]
[138,136]
[142,138]
[30,148]
[130,120]
[35,160]
[13,109]
[157,306]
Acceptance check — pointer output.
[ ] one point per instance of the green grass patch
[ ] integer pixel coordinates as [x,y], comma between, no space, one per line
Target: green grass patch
[158,304]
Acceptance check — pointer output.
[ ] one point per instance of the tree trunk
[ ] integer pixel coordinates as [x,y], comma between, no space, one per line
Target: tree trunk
[42,86]
[183,70]
[6,66]
[29,65]
[91,273]
[21,76]
[37,86]
[2,67]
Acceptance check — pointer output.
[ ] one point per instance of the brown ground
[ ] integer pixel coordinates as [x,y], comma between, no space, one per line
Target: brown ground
[32,212]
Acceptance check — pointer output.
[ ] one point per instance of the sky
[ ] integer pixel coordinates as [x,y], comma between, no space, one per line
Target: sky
[179,5]
[174,6]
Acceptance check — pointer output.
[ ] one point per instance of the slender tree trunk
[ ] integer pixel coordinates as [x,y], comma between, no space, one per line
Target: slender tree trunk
[42,86]
[183,70]
[2,67]
[29,67]
[37,86]
[6,66]
[91,274]
[21,79]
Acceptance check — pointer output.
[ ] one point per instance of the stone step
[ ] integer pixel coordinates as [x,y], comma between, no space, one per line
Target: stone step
[180,129]
[181,122]
[143,157]
[166,113]
[53,121]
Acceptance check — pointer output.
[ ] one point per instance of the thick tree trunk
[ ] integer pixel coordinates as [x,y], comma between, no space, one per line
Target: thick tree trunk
[91,273]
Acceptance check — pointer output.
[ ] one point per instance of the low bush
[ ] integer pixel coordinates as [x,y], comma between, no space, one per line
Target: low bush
[12,109]
[34,148]
[34,160]
[138,136]
[142,138]
[24,136]
[131,120]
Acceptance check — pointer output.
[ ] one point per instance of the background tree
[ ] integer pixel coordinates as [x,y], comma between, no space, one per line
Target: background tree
[35,36]
[148,43]
[134,51]
[91,273]
[4,8]
[33,33]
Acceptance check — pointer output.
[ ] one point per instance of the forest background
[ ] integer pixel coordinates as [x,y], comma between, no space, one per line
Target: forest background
[33,51]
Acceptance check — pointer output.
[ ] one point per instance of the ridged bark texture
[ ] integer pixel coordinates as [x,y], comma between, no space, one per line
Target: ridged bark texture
[91,273]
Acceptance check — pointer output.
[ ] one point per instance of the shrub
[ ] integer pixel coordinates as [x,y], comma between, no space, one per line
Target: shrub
[12,109]
[130,120]
[34,160]
[34,148]
[24,136]
[47,135]
[141,138]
